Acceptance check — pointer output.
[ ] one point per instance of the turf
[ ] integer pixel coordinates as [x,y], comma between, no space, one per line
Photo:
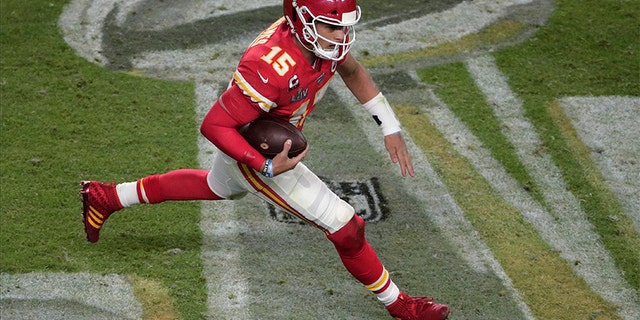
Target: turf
[597,62]
[598,56]
[64,119]
[587,49]
[532,265]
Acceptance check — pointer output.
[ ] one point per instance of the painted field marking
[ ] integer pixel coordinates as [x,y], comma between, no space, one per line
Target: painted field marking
[596,265]
[436,28]
[433,194]
[516,260]
[523,254]
[600,122]
[67,296]
[226,285]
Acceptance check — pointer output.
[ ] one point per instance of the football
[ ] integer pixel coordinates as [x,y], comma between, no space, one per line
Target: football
[268,134]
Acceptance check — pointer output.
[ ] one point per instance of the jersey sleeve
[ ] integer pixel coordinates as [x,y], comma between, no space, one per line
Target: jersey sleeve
[258,81]
[220,126]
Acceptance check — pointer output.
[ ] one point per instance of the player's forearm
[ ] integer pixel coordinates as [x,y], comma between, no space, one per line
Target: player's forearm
[220,127]
[229,141]
[358,80]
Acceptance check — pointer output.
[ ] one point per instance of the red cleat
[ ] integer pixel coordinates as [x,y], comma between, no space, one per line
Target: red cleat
[417,308]
[99,201]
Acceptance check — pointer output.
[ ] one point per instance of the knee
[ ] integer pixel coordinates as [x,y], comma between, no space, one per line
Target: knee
[350,238]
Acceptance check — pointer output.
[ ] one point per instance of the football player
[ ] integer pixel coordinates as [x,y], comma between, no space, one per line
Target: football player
[284,72]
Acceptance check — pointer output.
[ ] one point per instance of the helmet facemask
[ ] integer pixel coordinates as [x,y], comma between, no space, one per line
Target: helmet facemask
[310,36]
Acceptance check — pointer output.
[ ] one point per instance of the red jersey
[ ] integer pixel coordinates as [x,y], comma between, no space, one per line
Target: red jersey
[279,79]
[273,76]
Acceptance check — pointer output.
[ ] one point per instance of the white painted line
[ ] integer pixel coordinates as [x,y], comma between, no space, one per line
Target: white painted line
[81,23]
[434,195]
[610,128]
[568,230]
[226,284]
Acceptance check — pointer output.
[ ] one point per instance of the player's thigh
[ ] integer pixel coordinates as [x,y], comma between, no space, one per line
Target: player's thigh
[224,177]
[303,194]
[298,191]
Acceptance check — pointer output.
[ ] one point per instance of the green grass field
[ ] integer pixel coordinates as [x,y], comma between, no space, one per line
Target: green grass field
[65,119]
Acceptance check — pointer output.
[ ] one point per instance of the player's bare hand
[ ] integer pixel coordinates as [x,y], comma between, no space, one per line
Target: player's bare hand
[282,163]
[399,154]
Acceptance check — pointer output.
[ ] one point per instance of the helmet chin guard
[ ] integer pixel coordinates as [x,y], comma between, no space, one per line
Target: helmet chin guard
[303,15]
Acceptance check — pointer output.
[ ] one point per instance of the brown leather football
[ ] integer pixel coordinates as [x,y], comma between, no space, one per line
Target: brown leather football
[268,134]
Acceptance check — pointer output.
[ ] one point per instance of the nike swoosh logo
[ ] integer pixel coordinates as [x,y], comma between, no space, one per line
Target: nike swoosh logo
[264,80]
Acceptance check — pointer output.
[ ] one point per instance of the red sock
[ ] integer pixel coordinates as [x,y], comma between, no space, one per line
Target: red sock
[182,184]
[356,253]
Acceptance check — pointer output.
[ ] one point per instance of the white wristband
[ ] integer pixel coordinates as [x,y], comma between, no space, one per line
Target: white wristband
[382,113]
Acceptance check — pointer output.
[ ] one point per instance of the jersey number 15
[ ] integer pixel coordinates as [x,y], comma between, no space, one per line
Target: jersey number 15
[282,63]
